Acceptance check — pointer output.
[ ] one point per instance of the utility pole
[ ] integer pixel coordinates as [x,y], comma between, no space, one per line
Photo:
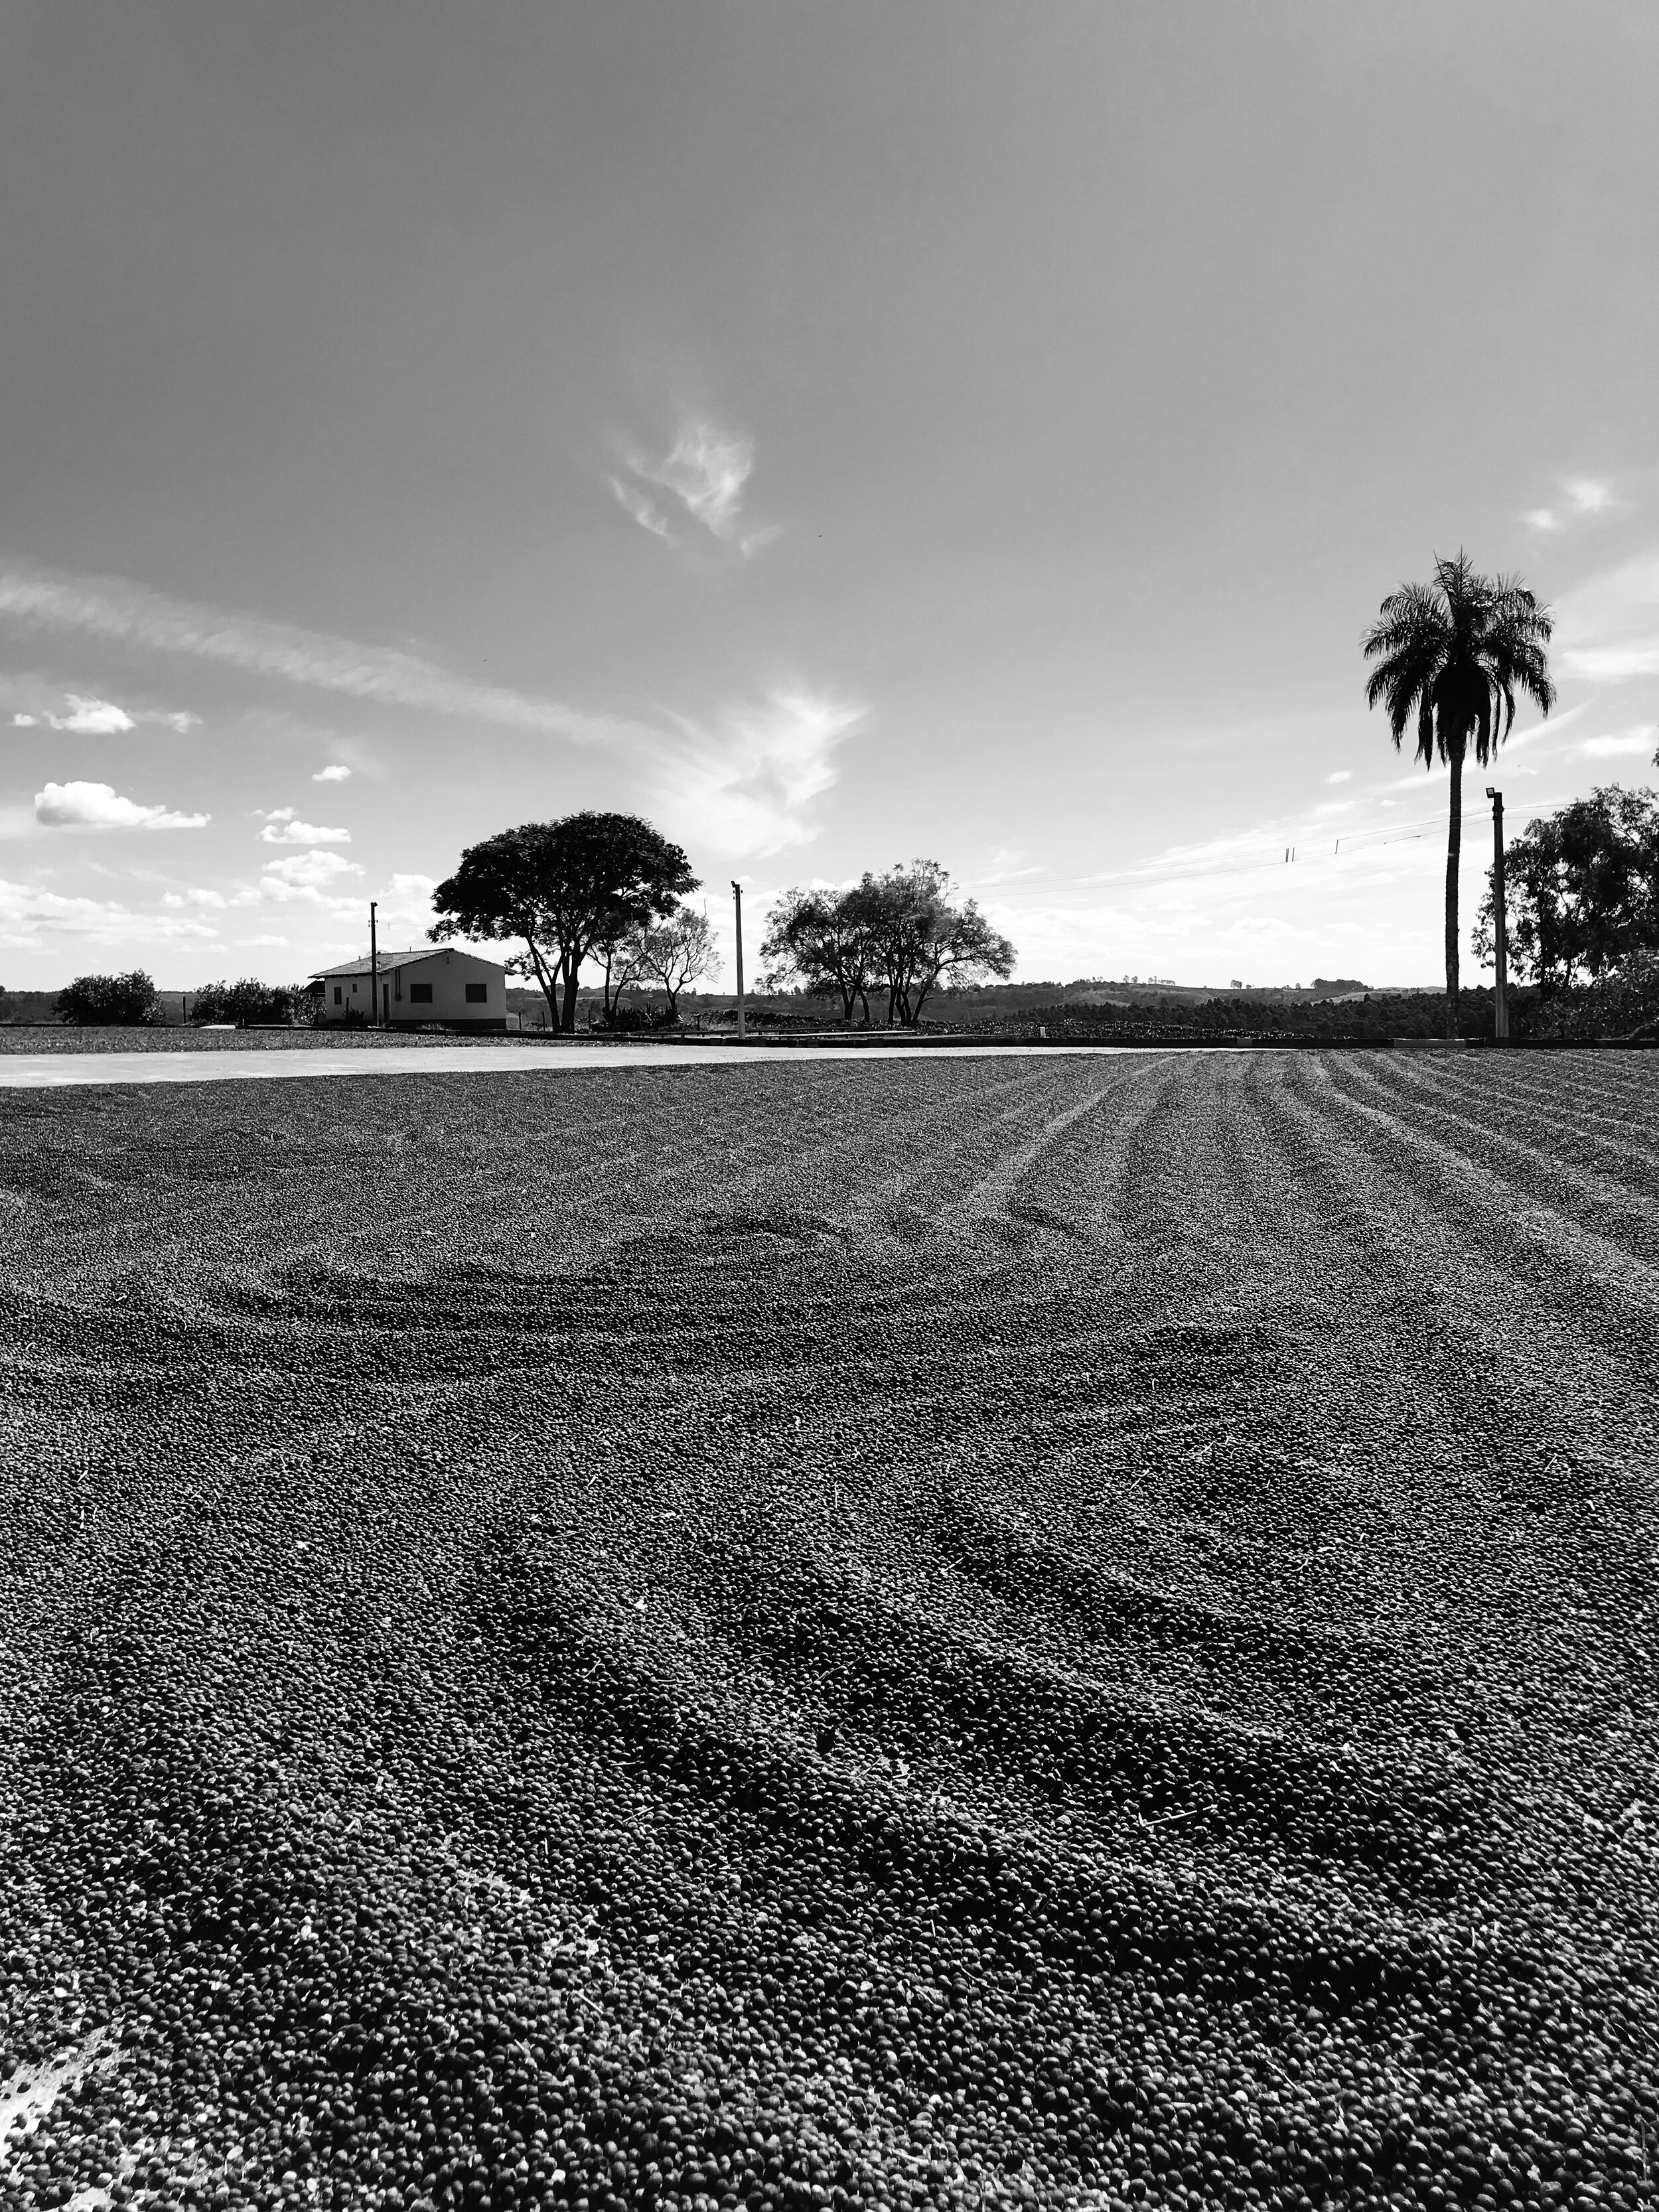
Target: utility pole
[737,902]
[373,970]
[1500,920]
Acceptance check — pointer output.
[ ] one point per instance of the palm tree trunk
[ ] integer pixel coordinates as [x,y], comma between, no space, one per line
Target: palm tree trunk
[1453,854]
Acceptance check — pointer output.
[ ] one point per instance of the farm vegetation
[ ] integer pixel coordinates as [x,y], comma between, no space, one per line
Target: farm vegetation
[95,1001]
[902,934]
[1581,891]
[251,1004]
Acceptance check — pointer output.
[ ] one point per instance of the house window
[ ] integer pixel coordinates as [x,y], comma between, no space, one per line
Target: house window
[337,995]
[420,994]
[477,995]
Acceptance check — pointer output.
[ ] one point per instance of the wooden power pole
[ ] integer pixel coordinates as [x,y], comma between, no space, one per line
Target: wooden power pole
[1500,921]
[373,970]
[737,903]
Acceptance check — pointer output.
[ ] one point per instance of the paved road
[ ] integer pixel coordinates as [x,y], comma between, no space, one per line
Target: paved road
[49,1070]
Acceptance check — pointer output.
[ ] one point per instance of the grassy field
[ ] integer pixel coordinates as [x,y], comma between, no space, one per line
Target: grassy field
[1058,1631]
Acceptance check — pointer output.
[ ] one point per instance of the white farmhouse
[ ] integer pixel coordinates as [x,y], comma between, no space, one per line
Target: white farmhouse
[435,983]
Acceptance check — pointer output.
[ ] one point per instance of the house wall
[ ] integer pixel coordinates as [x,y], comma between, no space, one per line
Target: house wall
[446,975]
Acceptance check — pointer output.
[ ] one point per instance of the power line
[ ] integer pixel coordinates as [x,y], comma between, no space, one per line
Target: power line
[1346,841]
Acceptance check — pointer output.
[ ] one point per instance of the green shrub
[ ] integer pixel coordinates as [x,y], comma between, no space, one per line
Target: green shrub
[94,1000]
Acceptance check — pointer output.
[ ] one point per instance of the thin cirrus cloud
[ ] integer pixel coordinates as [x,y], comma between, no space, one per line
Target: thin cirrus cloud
[98,806]
[283,827]
[700,480]
[116,612]
[747,786]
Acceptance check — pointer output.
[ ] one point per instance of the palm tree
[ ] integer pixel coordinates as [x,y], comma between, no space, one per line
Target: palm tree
[1454,654]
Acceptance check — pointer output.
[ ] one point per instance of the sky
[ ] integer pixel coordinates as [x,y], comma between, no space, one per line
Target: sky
[838,432]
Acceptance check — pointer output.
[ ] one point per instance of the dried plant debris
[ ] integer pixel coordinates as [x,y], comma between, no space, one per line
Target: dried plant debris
[1053,1631]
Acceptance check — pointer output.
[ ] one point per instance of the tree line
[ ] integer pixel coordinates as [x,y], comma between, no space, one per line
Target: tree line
[609,890]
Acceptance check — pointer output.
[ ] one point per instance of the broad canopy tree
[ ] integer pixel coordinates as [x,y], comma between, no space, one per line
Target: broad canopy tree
[1452,656]
[1582,889]
[567,890]
[819,939]
[904,932]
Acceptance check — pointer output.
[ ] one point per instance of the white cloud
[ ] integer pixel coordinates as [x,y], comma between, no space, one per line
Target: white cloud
[644,511]
[1340,776]
[125,613]
[202,896]
[1612,664]
[97,806]
[83,715]
[1588,496]
[335,772]
[308,871]
[745,787]
[1629,742]
[283,827]
[262,940]
[1607,628]
[92,718]
[705,473]
[414,886]
[1584,495]
[312,878]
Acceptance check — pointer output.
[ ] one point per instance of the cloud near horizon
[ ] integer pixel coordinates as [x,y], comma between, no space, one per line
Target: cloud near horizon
[99,806]
[31,918]
[116,612]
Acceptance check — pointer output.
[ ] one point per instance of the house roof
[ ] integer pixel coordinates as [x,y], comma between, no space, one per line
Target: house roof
[390,960]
